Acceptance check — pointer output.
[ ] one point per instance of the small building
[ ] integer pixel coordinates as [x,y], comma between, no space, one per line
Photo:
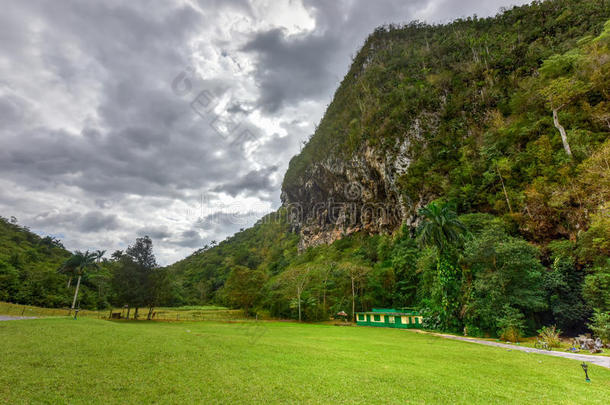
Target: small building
[405,318]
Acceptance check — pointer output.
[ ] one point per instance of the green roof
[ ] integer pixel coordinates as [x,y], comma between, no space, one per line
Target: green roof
[391,311]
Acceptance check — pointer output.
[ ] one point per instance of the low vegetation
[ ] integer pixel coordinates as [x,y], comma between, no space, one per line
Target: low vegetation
[550,335]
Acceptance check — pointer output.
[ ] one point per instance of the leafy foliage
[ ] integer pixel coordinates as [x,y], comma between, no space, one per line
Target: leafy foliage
[550,335]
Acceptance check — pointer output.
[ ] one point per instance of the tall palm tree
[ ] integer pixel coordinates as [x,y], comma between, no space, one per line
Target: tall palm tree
[441,227]
[68,269]
[81,263]
[442,230]
[99,254]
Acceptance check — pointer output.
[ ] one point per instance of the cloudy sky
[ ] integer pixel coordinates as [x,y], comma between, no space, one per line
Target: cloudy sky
[171,119]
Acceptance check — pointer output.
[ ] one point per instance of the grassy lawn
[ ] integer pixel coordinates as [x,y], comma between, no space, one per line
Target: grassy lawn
[59,360]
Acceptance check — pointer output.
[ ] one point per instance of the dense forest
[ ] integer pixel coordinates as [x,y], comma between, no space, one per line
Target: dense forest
[39,271]
[504,123]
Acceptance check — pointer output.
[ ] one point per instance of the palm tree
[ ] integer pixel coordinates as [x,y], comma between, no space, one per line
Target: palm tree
[441,227]
[442,230]
[81,263]
[99,254]
[68,269]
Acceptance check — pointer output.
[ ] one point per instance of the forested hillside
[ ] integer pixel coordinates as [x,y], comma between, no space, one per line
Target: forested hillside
[39,271]
[481,146]
[28,266]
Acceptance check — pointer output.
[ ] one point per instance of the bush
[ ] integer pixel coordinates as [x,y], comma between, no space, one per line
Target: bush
[550,335]
[601,326]
[472,330]
[431,318]
[511,324]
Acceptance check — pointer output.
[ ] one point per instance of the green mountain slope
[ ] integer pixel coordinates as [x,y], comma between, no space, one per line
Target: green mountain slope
[464,112]
[28,267]
[470,114]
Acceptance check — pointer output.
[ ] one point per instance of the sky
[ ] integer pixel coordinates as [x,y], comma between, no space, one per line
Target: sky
[173,119]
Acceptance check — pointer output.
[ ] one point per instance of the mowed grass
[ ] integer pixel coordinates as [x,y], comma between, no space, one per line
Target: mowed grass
[95,361]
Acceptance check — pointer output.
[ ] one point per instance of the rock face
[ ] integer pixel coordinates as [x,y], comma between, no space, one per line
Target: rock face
[337,197]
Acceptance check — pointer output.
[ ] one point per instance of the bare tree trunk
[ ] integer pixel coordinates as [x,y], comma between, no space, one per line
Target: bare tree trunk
[76,292]
[324,300]
[299,302]
[135,314]
[128,309]
[504,189]
[353,302]
[562,131]
[69,281]
[150,311]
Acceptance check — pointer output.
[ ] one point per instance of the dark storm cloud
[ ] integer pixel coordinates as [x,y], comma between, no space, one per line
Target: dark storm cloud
[291,69]
[92,221]
[254,181]
[155,232]
[191,239]
[97,221]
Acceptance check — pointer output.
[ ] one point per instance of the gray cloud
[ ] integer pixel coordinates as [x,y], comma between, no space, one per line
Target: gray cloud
[97,146]
[97,221]
[92,221]
[156,232]
[190,239]
[254,181]
[290,69]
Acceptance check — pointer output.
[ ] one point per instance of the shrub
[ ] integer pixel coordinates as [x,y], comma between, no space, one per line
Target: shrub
[550,335]
[431,319]
[472,330]
[511,324]
[601,326]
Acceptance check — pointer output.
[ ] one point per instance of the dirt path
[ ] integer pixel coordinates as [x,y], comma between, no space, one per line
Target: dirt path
[12,318]
[602,361]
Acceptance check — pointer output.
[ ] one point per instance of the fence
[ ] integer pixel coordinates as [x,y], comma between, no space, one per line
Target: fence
[160,314]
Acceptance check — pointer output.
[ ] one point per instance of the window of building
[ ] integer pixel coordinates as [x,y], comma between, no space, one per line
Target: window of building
[377,317]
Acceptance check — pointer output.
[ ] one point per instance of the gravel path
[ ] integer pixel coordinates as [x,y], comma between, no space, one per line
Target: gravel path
[12,318]
[602,361]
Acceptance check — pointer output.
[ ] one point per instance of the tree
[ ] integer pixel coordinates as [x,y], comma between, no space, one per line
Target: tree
[116,255]
[137,281]
[442,230]
[157,288]
[561,87]
[81,263]
[99,254]
[243,287]
[297,279]
[440,227]
[507,273]
[142,252]
[68,269]
[126,283]
[356,272]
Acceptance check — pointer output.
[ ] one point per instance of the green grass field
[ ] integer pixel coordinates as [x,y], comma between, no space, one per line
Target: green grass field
[59,360]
